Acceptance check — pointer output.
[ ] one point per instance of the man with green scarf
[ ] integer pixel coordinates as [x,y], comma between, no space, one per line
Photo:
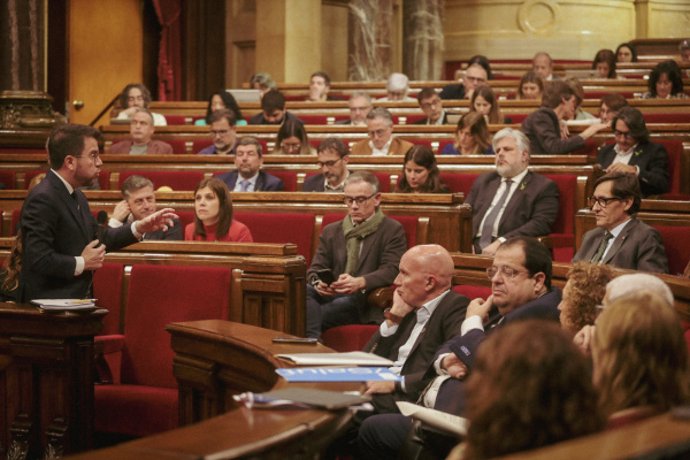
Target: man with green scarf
[362,253]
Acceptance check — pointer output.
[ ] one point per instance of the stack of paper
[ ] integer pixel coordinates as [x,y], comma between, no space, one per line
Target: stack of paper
[65,304]
[353,358]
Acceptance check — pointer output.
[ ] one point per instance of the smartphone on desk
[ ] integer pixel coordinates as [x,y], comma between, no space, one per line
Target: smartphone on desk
[326,275]
[303,340]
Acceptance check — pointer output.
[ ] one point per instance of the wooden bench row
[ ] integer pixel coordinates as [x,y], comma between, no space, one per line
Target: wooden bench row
[440,219]
[339,108]
[206,375]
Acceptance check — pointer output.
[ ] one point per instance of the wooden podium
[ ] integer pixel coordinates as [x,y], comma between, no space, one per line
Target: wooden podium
[46,381]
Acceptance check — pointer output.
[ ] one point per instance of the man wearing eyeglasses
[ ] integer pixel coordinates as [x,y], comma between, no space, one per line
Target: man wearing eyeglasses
[355,255]
[381,141]
[223,134]
[620,239]
[521,289]
[360,106]
[62,243]
[333,157]
[474,77]
[633,153]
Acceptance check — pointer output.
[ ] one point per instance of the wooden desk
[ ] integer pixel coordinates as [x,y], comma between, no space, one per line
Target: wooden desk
[213,360]
[46,381]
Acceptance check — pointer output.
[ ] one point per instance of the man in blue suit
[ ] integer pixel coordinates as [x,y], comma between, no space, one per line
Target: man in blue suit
[248,176]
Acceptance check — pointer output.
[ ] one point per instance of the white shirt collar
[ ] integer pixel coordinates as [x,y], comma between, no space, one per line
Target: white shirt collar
[70,189]
[383,151]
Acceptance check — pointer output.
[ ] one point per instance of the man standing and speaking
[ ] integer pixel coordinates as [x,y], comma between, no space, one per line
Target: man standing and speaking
[62,243]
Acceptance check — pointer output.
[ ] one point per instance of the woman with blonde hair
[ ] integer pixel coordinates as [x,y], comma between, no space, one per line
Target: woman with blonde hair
[582,295]
[471,137]
[640,359]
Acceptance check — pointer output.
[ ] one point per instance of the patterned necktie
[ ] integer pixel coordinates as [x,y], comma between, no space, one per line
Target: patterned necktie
[488,227]
[244,185]
[602,248]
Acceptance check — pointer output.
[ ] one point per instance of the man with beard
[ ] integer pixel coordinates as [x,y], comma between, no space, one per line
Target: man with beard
[333,157]
[512,201]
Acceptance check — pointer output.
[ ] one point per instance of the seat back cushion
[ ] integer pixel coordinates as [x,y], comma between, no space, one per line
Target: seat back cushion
[293,228]
[160,295]
[107,288]
[677,246]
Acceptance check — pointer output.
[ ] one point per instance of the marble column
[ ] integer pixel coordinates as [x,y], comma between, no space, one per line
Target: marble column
[423,39]
[371,39]
[22,45]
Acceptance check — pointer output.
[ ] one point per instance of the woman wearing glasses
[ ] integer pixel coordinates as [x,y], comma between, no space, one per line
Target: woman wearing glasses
[633,153]
[292,139]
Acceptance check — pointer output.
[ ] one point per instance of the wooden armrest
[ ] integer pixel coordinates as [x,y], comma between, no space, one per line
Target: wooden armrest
[108,358]
[381,298]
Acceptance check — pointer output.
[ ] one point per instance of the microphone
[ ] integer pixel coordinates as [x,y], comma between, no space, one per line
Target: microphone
[102,227]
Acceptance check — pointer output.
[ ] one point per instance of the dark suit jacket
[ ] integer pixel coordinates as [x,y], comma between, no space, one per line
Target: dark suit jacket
[453,91]
[451,395]
[652,160]
[264,183]
[172,234]
[425,120]
[544,132]
[55,231]
[154,148]
[315,183]
[378,261]
[638,247]
[441,326]
[397,147]
[259,119]
[531,211]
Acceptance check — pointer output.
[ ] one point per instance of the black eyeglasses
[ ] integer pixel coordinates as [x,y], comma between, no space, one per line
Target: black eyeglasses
[602,201]
[360,200]
[329,163]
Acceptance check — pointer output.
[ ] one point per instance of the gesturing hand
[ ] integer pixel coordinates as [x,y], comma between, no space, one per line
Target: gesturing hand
[93,256]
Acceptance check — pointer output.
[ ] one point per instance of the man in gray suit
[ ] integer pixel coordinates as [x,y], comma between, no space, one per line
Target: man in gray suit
[355,255]
[620,239]
[512,201]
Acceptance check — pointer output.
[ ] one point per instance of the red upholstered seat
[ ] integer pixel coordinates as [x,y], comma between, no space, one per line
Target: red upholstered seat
[200,144]
[145,400]
[459,182]
[107,288]
[177,180]
[313,119]
[352,337]
[675,152]
[677,245]
[186,217]
[7,180]
[294,228]
[563,231]
[179,146]
[177,119]
[289,179]
[472,292]
[667,117]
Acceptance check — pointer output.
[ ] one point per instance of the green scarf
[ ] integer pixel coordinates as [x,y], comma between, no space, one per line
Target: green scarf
[354,234]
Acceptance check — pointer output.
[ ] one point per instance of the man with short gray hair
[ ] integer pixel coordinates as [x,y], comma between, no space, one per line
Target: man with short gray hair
[381,141]
[397,88]
[139,201]
[512,201]
[355,255]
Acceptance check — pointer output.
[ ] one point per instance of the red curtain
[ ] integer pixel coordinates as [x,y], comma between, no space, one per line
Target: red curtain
[170,50]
